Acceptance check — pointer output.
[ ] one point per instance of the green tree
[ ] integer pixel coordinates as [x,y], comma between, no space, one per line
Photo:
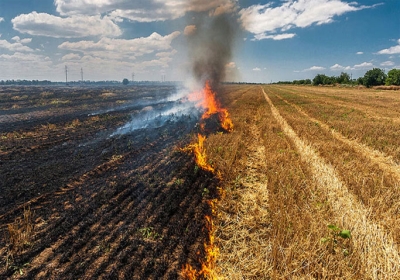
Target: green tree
[374,77]
[393,77]
[344,78]
[320,79]
[125,82]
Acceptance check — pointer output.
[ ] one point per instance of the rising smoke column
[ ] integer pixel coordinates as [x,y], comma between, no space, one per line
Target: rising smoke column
[211,40]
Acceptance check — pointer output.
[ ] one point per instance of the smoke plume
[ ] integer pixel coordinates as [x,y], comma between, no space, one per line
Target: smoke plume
[211,40]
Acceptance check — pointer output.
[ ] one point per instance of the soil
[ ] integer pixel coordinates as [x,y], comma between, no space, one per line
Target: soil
[105,205]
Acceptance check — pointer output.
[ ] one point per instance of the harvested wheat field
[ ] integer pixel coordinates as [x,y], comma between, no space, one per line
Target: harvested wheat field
[316,191]
[293,183]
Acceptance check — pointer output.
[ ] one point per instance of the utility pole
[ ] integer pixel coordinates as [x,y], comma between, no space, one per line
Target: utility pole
[66,75]
[133,77]
[82,75]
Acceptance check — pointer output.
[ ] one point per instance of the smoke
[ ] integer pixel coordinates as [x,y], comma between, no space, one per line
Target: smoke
[211,39]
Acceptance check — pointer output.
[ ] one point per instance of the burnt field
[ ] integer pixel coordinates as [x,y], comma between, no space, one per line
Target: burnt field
[93,184]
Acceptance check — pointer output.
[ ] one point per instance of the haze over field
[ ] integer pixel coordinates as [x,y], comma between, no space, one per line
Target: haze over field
[274,40]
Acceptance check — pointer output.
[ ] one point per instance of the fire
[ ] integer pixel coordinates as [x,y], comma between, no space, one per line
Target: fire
[226,122]
[206,99]
[200,154]
[188,272]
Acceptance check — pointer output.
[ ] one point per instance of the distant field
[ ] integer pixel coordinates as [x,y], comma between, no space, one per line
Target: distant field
[95,185]
[312,157]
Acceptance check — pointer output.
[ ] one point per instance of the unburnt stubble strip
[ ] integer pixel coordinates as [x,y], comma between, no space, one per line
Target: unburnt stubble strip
[272,217]
[379,254]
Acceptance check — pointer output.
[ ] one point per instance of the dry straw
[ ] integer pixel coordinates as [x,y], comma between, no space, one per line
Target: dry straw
[378,252]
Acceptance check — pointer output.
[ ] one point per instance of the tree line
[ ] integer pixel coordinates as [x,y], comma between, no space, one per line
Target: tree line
[374,77]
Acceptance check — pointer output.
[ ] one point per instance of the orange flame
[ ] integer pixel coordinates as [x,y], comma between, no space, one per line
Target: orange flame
[200,154]
[207,100]
[188,272]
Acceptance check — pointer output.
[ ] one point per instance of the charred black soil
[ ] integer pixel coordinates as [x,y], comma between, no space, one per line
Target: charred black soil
[128,206]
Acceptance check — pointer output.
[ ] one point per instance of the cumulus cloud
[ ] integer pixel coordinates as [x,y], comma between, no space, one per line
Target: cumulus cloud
[14,47]
[265,20]
[391,50]
[1,19]
[387,63]
[42,24]
[190,30]
[136,47]
[338,67]
[364,65]
[71,56]
[314,68]
[359,53]
[118,54]
[24,57]
[30,66]
[22,41]
[277,37]
[144,11]
[256,69]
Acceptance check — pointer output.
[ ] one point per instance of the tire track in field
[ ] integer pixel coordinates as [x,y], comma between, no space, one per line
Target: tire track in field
[385,162]
[378,252]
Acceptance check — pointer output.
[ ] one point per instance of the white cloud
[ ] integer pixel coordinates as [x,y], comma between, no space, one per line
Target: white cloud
[314,68]
[166,54]
[30,66]
[1,19]
[18,57]
[387,63]
[391,50]
[71,56]
[190,30]
[14,47]
[136,47]
[359,53]
[22,41]
[118,55]
[256,69]
[144,11]
[266,19]
[42,24]
[273,37]
[338,67]
[231,65]
[363,65]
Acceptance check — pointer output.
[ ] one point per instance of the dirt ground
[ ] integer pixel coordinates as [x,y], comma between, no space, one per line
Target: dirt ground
[105,205]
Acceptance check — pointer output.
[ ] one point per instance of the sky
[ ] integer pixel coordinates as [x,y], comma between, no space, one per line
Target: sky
[279,40]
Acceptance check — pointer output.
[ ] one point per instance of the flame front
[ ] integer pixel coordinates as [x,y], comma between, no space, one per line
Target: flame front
[206,99]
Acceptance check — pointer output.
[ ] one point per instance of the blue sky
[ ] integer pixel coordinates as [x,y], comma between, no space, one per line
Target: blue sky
[276,40]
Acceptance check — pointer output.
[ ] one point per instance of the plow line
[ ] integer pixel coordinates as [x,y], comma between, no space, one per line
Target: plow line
[378,252]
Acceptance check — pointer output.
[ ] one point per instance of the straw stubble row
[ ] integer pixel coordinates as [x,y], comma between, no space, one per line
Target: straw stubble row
[376,248]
